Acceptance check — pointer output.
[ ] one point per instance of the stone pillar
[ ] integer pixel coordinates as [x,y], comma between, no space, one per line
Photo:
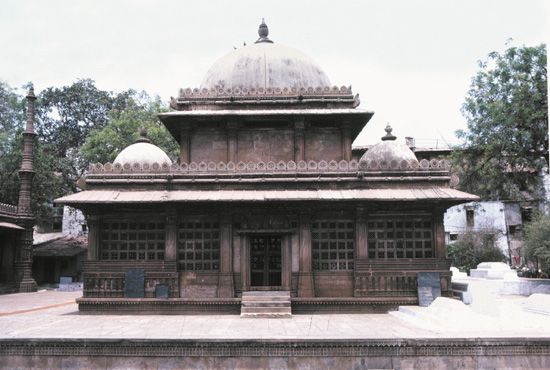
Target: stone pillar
[346,142]
[245,263]
[171,236]
[24,281]
[94,232]
[305,276]
[232,141]
[299,140]
[286,262]
[23,256]
[439,233]
[361,238]
[225,282]
[185,144]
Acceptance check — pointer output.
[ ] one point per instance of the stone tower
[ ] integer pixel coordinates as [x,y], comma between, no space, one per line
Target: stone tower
[23,260]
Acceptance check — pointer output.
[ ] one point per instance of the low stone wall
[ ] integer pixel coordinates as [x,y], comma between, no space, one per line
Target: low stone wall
[431,353]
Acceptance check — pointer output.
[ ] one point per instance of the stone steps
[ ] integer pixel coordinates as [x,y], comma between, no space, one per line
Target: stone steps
[266,304]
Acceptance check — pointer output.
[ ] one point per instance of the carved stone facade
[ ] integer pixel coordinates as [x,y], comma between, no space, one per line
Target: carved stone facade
[470,353]
[266,196]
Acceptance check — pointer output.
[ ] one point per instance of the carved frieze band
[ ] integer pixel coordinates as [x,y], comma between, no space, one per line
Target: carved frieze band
[313,91]
[8,208]
[276,348]
[266,167]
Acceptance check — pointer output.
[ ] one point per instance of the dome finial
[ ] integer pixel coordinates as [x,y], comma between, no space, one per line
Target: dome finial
[263,32]
[143,136]
[388,135]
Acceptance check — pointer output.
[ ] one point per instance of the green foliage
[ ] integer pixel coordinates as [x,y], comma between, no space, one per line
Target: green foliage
[64,118]
[12,114]
[473,248]
[66,115]
[103,145]
[536,242]
[506,108]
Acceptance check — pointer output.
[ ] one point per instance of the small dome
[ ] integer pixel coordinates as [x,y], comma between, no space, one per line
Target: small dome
[265,65]
[142,152]
[389,150]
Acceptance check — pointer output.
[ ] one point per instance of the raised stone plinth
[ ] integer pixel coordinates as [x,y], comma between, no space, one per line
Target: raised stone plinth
[494,270]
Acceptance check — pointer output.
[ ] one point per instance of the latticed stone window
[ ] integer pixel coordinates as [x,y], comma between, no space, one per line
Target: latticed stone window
[410,237]
[132,241]
[333,245]
[199,246]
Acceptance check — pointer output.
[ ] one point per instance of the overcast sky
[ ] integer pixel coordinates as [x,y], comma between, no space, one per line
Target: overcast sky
[410,61]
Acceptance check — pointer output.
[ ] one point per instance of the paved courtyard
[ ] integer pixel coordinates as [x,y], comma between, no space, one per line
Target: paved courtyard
[53,314]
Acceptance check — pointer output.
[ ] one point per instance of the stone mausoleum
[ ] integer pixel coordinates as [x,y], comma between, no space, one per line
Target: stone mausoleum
[265,197]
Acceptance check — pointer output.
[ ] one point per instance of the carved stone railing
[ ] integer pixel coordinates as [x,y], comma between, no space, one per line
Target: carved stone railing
[106,279]
[196,93]
[375,278]
[267,167]
[8,208]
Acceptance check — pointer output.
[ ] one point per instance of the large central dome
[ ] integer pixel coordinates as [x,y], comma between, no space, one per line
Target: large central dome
[264,65]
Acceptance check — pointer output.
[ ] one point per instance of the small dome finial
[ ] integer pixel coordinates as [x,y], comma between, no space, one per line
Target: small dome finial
[263,32]
[30,94]
[143,136]
[388,135]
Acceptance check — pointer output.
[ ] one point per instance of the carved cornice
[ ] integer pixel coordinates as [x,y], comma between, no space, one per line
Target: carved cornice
[8,209]
[304,95]
[267,167]
[317,91]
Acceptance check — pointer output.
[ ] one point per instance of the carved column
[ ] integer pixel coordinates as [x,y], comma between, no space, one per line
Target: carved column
[185,144]
[232,141]
[245,263]
[439,233]
[361,238]
[23,256]
[305,276]
[299,140]
[346,141]
[225,282]
[286,262]
[171,236]
[94,231]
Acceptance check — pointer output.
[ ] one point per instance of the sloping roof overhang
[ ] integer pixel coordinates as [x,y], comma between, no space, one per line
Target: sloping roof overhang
[182,196]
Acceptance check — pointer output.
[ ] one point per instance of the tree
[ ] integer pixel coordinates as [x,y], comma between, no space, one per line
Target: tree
[47,184]
[536,243]
[12,114]
[472,248]
[67,114]
[506,108]
[103,145]
[64,118]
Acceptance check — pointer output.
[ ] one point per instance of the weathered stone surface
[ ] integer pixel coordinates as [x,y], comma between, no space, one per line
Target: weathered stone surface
[162,291]
[429,287]
[134,283]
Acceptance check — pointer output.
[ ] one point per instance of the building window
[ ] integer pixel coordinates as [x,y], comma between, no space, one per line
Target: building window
[333,245]
[453,237]
[400,238]
[526,214]
[469,217]
[199,246]
[132,241]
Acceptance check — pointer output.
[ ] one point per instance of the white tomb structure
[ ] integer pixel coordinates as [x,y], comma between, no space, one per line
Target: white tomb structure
[494,270]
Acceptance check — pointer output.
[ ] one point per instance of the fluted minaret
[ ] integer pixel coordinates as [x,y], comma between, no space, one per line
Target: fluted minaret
[26,172]
[23,260]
